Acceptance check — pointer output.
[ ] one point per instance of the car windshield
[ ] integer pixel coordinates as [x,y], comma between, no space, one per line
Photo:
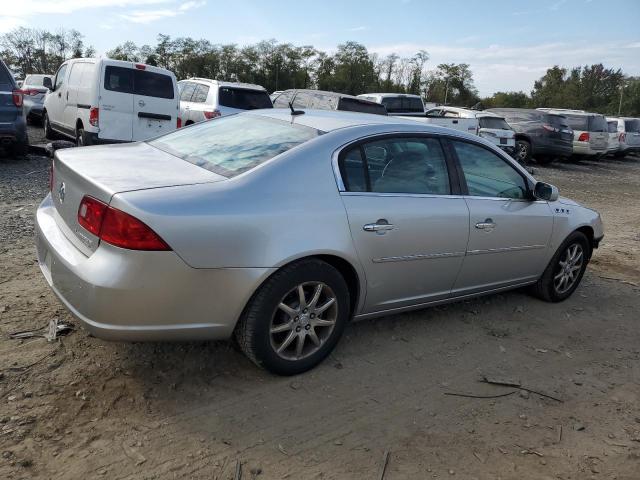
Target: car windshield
[493,122]
[403,104]
[244,99]
[234,144]
[632,126]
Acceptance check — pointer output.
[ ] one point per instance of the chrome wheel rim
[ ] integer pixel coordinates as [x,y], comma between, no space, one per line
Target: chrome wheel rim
[303,320]
[522,151]
[569,267]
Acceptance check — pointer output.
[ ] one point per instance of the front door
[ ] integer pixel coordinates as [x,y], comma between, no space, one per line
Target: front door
[410,232]
[57,100]
[509,233]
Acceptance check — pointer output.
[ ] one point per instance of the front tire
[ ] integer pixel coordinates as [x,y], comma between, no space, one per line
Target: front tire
[565,270]
[296,318]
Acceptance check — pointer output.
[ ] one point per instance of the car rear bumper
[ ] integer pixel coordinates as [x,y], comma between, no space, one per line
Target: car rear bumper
[585,148]
[128,295]
[14,132]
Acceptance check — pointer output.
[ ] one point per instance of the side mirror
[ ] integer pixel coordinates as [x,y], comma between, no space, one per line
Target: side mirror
[46,83]
[545,191]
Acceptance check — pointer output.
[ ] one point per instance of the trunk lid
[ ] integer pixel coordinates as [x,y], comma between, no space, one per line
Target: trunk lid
[103,171]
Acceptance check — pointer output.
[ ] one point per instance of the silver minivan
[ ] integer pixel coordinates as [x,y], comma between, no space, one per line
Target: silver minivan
[590,131]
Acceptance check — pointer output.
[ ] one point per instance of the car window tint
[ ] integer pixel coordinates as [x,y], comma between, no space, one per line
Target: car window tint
[201,93]
[60,77]
[358,105]
[118,79]
[187,91]
[151,84]
[632,126]
[407,165]
[487,174]
[234,144]
[243,99]
[352,170]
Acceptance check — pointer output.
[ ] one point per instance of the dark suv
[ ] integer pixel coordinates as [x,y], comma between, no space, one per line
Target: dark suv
[540,135]
[321,100]
[13,128]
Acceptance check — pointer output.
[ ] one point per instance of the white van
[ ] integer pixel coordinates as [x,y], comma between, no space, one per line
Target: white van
[99,100]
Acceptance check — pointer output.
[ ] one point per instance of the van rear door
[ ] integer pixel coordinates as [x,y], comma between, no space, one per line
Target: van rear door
[116,102]
[155,102]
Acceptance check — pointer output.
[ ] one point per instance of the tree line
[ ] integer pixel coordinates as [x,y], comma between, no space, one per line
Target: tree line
[350,69]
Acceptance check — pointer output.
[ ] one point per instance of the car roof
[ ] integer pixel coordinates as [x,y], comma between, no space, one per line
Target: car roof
[223,83]
[385,95]
[328,120]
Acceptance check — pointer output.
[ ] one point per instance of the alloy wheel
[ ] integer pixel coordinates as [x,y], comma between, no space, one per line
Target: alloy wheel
[522,152]
[568,269]
[303,320]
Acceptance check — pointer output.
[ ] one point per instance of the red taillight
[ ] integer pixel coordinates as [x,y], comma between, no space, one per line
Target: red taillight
[211,114]
[17,97]
[141,66]
[584,137]
[622,137]
[117,227]
[94,116]
[550,128]
[179,123]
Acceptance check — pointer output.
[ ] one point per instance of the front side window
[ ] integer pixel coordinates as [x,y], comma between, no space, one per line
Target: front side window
[60,77]
[488,175]
[234,144]
[396,165]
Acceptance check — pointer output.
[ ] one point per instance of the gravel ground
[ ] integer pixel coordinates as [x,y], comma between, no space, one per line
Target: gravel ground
[83,408]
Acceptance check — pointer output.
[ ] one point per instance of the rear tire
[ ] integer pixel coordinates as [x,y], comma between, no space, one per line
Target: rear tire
[49,134]
[287,333]
[82,139]
[565,270]
[523,151]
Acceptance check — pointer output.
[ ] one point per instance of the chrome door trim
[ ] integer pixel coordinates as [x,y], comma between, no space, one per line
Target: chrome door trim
[505,249]
[415,195]
[421,256]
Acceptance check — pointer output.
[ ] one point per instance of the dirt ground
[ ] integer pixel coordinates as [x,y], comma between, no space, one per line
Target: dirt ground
[82,408]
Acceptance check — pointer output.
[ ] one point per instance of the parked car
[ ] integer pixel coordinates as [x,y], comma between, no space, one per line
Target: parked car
[450,117]
[202,99]
[398,103]
[629,135]
[322,100]
[542,136]
[34,91]
[590,131]
[100,100]
[13,128]
[613,147]
[278,228]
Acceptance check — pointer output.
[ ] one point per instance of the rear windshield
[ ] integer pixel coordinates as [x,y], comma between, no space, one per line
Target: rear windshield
[403,104]
[632,126]
[36,80]
[496,123]
[598,123]
[613,127]
[243,98]
[356,105]
[234,144]
[578,122]
[138,82]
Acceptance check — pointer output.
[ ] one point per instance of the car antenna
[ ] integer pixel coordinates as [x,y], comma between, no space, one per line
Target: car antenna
[294,112]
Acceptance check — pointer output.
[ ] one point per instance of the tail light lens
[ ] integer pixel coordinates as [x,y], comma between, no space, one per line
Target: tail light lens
[209,114]
[141,66]
[94,116]
[179,123]
[117,227]
[622,137]
[17,97]
[584,137]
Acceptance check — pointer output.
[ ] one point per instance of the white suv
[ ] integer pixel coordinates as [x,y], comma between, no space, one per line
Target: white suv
[590,131]
[202,99]
[99,100]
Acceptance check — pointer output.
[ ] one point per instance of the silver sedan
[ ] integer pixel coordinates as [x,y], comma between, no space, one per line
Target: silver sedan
[278,227]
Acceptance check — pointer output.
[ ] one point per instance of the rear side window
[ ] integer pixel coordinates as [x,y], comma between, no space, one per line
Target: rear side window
[186,91]
[138,82]
[357,105]
[578,122]
[402,104]
[632,126]
[495,123]
[201,93]
[234,144]
[396,165]
[243,99]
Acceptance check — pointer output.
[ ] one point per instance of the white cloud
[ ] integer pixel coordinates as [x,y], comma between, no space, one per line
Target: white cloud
[360,28]
[148,16]
[505,68]
[9,23]
[192,4]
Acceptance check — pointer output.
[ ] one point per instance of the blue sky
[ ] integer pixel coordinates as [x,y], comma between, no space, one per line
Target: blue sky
[508,44]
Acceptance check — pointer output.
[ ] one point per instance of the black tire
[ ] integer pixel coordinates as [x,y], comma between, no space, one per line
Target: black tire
[49,134]
[619,154]
[253,332]
[523,151]
[81,138]
[546,287]
[20,150]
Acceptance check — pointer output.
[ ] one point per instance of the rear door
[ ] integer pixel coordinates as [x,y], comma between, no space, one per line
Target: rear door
[155,102]
[632,132]
[8,110]
[598,133]
[116,103]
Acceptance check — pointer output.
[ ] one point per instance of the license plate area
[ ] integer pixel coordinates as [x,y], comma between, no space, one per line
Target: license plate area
[503,141]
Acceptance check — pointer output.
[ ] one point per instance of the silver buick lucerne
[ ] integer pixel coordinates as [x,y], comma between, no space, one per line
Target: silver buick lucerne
[279,226]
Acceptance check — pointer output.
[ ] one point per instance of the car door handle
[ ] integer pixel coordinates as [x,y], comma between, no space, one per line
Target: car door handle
[379,226]
[487,224]
[59,94]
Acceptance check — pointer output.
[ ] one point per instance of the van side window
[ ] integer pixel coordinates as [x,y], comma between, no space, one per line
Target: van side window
[60,77]
[187,91]
[201,93]
[118,79]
